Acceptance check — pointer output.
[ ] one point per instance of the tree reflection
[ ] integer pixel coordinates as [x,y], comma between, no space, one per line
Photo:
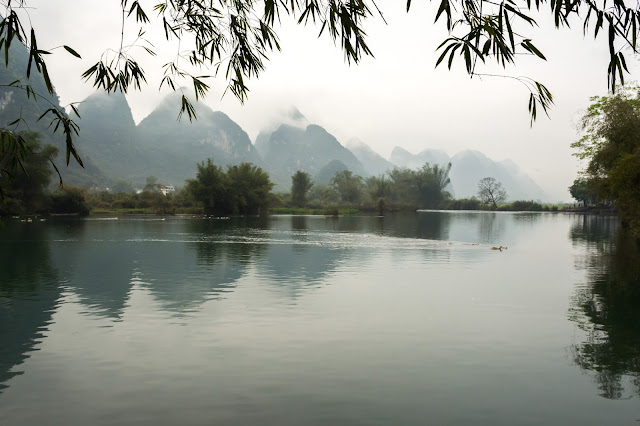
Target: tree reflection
[97,260]
[424,225]
[607,308]
[299,227]
[223,250]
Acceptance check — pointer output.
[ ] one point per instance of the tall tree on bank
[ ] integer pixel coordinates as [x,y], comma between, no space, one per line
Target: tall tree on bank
[581,191]
[348,185]
[209,187]
[611,145]
[236,37]
[431,184]
[425,187]
[490,191]
[301,183]
[249,189]
[25,193]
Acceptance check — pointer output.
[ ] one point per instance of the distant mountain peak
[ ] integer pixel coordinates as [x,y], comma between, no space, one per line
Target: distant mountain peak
[373,162]
[470,153]
[295,115]
[431,151]
[117,95]
[290,147]
[398,150]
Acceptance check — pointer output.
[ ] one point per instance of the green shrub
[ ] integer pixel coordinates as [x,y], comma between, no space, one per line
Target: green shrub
[526,206]
[69,200]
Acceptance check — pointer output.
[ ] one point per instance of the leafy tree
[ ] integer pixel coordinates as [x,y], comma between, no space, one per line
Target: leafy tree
[25,192]
[184,198]
[348,185]
[581,191]
[490,191]
[403,187]
[248,190]
[301,183]
[209,187]
[378,187]
[243,189]
[323,194]
[611,146]
[424,188]
[161,203]
[431,183]
[70,200]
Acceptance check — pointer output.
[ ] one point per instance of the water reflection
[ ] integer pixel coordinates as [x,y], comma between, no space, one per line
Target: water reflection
[479,226]
[238,321]
[29,293]
[607,307]
[303,251]
[97,261]
[224,249]
[594,230]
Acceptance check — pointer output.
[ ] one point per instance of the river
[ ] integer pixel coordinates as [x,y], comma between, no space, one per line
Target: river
[408,319]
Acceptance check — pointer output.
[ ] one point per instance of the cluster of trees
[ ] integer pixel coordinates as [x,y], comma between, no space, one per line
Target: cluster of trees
[242,189]
[147,201]
[611,148]
[516,206]
[398,188]
[28,191]
[245,189]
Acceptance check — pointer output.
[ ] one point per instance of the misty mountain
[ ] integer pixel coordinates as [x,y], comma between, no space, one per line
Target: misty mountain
[290,148]
[403,158]
[374,164]
[107,135]
[468,167]
[160,145]
[112,147]
[178,145]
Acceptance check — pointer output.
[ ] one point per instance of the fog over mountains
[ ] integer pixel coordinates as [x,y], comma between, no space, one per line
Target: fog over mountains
[468,167]
[162,146]
[114,148]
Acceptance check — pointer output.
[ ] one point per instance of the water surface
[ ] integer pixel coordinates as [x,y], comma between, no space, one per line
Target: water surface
[406,319]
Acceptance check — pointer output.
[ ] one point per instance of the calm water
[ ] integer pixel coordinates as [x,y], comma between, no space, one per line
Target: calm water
[402,320]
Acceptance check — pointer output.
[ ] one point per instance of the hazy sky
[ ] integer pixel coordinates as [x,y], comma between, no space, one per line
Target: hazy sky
[396,98]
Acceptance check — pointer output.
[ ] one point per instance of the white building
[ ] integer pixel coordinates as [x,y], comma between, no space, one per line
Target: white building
[167,189]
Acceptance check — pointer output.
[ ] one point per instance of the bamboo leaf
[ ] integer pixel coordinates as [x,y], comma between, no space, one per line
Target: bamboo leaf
[73,52]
